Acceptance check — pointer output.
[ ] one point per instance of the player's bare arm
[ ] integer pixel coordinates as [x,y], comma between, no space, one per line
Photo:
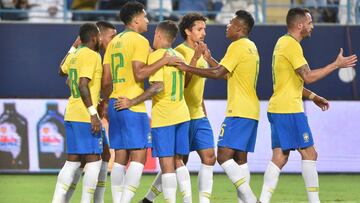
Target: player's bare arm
[310,76]
[124,103]
[142,71]
[86,98]
[204,108]
[106,89]
[74,46]
[199,50]
[209,59]
[213,72]
[60,72]
[318,100]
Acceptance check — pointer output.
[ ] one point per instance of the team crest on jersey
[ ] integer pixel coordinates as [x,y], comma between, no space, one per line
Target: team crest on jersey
[118,45]
[306,137]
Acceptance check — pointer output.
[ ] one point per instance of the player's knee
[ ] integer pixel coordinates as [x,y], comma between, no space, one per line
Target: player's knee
[222,158]
[313,155]
[179,161]
[209,160]
[241,161]
[280,160]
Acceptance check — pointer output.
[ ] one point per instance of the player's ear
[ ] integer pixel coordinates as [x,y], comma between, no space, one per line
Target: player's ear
[299,25]
[136,19]
[187,32]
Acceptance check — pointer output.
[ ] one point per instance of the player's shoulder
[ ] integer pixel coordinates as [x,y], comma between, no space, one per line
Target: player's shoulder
[288,40]
[158,51]
[181,47]
[137,37]
[87,53]
[156,54]
[179,54]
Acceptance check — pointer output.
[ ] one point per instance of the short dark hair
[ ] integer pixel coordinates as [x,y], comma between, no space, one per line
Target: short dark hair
[187,22]
[247,18]
[102,25]
[294,15]
[87,31]
[130,10]
[169,27]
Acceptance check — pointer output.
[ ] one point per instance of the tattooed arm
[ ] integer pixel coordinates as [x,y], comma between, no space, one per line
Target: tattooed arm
[310,76]
[124,103]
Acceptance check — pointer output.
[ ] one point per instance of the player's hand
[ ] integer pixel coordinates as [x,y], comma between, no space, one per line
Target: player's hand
[172,60]
[77,42]
[321,102]
[103,109]
[123,103]
[95,124]
[199,50]
[345,62]
[182,66]
[207,54]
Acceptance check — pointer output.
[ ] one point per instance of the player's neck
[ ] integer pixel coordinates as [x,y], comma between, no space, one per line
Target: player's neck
[165,45]
[295,35]
[190,43]
[239,36]
[90,46]
[132,28]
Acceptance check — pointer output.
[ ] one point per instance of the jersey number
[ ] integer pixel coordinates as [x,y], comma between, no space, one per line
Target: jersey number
[173,86]
[115,67]
[74,86]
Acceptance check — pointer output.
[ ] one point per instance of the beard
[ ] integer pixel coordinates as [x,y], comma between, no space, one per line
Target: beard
[305,34]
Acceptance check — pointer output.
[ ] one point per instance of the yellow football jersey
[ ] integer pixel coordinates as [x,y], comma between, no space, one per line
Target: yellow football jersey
[169,106]
[83,63]
[126,47]
[242,62]
[288,85]
[195,90]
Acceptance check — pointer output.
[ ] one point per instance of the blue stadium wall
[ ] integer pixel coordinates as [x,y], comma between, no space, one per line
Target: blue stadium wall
[31,53]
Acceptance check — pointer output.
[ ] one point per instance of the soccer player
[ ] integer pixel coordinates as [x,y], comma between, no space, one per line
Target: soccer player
[82,123]
[124,71]
[192,28]
[107,33]
[170,115]
[238,132]
[289,126]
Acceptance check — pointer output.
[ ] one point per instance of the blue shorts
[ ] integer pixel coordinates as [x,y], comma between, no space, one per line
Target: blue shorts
[80,140]
[200,134]
[128,129]
[290,131]
[238,133]
[170,140]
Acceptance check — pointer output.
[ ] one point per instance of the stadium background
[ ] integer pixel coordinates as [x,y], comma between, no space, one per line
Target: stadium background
[31,53]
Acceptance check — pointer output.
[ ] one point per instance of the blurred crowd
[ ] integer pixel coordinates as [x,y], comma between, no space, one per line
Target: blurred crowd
[218,11]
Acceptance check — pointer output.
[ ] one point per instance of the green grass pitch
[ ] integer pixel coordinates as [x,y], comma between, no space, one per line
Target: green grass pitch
[333,188]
